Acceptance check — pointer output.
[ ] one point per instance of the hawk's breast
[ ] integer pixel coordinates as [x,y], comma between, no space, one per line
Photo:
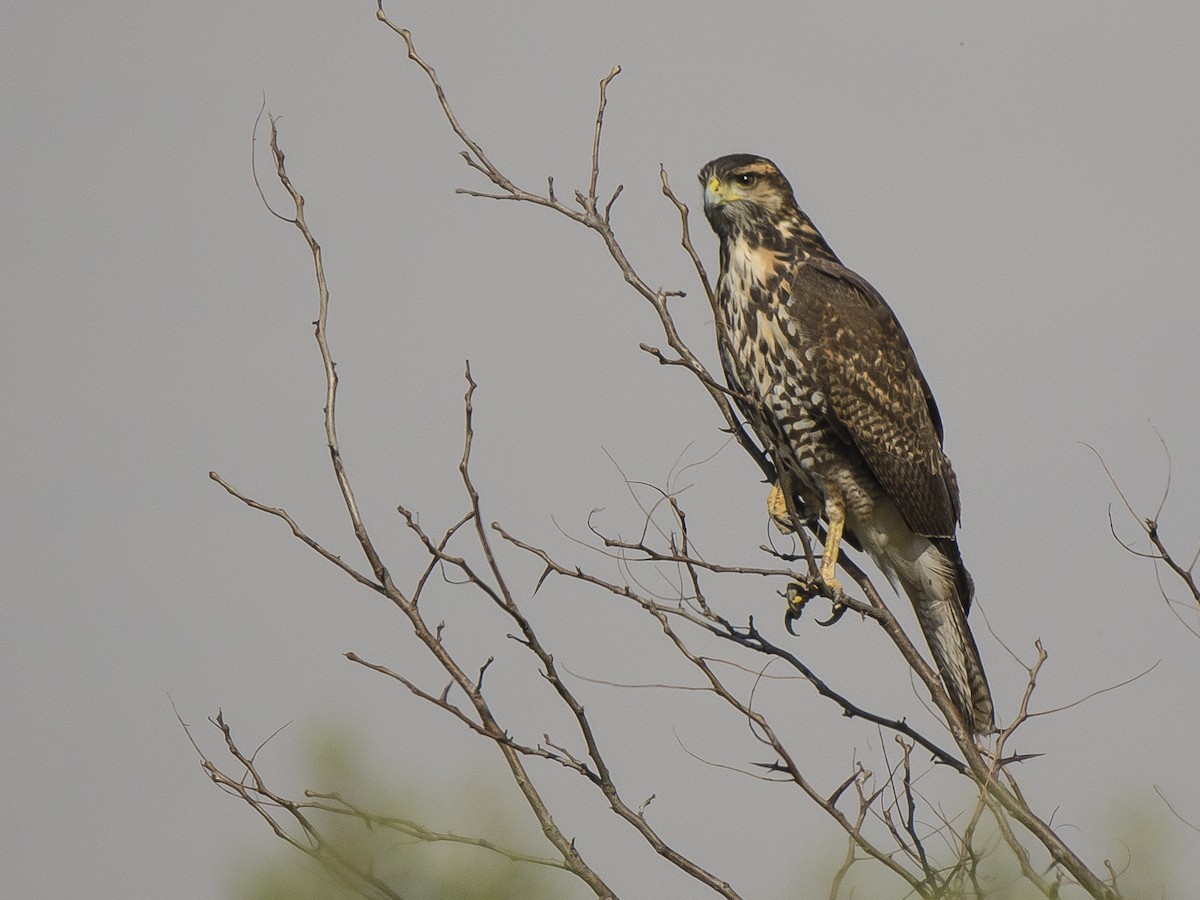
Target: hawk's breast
[773,352]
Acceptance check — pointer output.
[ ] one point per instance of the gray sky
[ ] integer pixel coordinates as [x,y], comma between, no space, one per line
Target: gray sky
[1019,181]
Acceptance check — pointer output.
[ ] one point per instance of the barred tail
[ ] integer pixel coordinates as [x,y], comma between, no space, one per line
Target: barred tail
[941,591]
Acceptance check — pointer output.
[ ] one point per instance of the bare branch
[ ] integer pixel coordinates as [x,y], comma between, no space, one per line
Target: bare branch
[591,195]
[331,439]
[252,789]
[686,238]
[333,802]
[1174,811]
[299,532]
[1149,525]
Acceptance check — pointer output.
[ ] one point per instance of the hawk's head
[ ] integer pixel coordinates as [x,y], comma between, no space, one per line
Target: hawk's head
[745,192]
[747,196]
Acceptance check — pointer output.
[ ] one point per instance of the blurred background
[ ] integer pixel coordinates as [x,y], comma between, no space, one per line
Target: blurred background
[1019,182]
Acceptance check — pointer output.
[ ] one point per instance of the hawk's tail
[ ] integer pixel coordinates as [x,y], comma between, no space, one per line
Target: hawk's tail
[941,590]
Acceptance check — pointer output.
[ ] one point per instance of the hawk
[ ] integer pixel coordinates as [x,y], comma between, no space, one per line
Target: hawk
[828,381]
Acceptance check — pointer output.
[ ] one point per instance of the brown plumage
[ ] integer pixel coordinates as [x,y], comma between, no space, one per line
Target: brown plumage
[831,386]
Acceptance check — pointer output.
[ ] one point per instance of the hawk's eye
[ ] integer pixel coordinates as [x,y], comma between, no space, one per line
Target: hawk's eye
[746,179]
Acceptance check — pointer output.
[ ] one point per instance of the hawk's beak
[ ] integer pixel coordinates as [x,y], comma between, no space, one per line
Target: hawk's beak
[714,196]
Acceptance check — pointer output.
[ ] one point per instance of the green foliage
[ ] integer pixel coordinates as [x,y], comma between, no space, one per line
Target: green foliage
[1139,837]
[411,867]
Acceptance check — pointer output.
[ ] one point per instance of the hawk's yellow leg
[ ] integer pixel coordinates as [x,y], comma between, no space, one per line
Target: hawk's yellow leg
[835,515]
[779,508]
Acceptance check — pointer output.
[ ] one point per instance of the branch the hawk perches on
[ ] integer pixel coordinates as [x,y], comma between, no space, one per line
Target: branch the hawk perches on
[832,388]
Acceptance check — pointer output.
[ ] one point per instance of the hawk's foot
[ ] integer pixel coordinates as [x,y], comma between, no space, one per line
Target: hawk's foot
[836,594]
[798,595]
[832,585]
[777,509]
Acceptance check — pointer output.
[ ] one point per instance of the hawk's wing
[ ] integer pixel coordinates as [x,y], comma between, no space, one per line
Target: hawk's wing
[876,397]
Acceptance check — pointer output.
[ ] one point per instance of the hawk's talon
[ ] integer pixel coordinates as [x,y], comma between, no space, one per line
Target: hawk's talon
[797,596]
[839,610]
